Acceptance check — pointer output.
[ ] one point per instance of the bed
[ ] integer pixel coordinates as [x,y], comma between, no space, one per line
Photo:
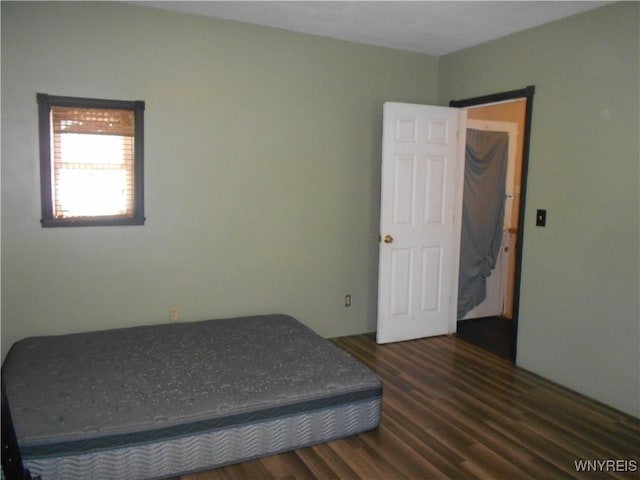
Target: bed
[164,400]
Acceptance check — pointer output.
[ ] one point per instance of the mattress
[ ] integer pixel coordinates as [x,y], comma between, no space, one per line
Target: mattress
[163,400]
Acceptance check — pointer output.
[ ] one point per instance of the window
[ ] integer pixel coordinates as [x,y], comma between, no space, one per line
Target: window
[91,161]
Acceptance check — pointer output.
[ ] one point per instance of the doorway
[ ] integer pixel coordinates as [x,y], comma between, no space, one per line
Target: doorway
[498,331]
[490,202]
[418,271]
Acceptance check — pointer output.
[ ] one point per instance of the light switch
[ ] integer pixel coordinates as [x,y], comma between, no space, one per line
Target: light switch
[541,218]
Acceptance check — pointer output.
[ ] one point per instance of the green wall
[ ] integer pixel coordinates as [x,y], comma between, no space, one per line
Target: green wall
[579,312]
[262,177]
[262,154]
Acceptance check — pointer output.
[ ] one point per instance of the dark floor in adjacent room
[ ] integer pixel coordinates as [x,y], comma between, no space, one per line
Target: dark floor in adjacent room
[494,334]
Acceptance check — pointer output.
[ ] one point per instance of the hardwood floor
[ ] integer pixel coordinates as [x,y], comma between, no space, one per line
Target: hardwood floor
[453,410]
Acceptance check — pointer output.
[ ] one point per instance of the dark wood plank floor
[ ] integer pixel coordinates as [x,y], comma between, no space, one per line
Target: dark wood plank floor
[453,410]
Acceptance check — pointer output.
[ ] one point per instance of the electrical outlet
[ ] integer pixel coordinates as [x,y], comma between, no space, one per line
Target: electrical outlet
[175,315]
[347,300]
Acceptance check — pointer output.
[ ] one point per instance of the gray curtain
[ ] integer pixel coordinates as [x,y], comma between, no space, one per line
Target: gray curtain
[482,214]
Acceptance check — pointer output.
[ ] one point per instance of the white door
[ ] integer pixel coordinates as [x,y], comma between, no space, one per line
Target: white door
[421,201]
[495,302]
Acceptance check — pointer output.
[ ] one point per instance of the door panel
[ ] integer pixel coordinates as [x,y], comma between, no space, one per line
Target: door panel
[420,197]
[403,195]
[431,279]
[401,262]
[435,183]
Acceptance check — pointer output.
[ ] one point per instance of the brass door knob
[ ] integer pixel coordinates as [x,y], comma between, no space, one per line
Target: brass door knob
[388,239]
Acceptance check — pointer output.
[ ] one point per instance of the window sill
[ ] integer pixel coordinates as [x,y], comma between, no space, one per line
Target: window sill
[91,221]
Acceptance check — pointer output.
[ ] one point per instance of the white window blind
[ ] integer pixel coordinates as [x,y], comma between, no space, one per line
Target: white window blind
[92,162]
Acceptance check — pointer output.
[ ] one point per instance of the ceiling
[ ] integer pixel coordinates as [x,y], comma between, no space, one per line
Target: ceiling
[429,27]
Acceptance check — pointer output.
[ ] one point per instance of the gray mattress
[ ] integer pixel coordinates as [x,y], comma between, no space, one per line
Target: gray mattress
[157,401]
